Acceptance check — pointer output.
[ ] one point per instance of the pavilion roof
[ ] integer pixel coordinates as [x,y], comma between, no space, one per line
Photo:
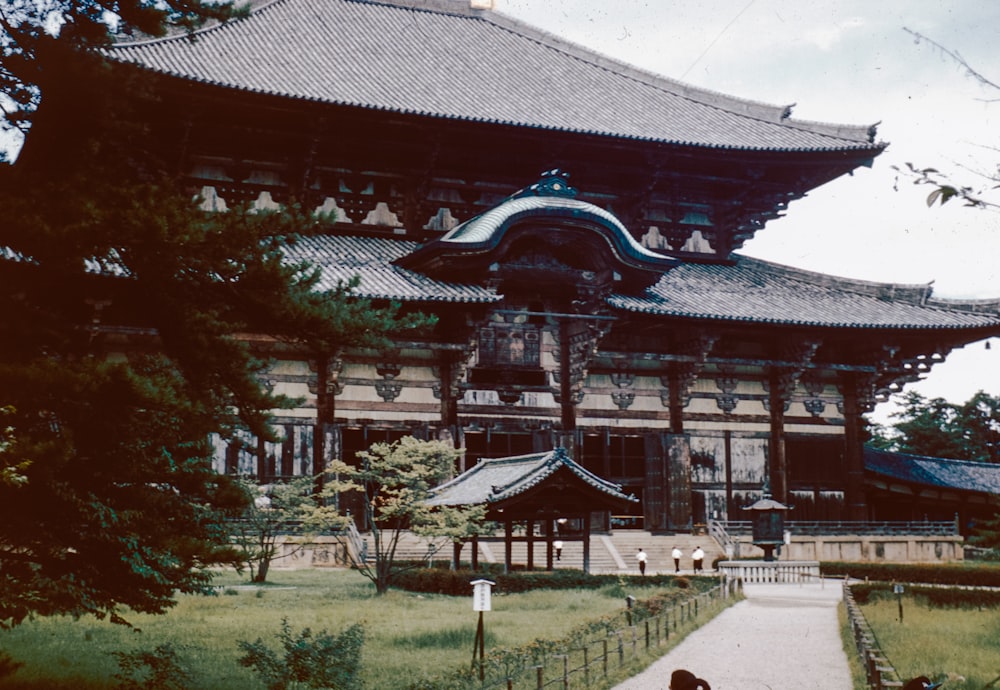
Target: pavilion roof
[441,59]
[962,475]
[498,480]
[746,290]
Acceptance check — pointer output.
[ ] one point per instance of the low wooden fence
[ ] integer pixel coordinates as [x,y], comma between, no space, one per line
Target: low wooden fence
[879,672]
[591,661]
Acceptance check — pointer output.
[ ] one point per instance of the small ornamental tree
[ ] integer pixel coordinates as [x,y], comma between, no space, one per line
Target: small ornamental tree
[273,511]
[395,480]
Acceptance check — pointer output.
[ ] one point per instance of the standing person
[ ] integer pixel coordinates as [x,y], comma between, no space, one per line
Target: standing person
[641,557]
[685,680]
[698,557]
[676,555]
[558,544]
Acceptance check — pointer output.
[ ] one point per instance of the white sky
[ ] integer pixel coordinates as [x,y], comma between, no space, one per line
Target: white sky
[848,61]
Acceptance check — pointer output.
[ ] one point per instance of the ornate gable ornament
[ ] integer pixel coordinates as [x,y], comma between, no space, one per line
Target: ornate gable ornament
[538,225]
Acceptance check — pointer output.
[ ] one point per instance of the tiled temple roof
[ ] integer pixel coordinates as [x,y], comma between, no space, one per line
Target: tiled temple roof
[752,290]
[962,475]
[749,290]
[340,258]
[495,480]
[439,58]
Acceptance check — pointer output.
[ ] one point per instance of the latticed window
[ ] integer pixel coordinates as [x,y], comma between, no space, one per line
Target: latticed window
[509,345]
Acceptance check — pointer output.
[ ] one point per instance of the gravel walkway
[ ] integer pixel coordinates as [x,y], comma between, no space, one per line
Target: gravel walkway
[782,637]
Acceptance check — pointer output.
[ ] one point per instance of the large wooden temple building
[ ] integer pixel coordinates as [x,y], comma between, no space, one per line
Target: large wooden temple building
[574,223]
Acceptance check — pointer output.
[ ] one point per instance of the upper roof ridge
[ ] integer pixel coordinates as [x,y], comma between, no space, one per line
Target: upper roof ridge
[769,112]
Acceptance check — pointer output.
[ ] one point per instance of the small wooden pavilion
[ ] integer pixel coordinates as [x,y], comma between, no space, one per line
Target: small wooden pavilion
[540,488]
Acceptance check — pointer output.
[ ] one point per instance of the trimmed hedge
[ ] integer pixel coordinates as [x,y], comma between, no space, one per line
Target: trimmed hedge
[456,582]
[935,597]
[957,574]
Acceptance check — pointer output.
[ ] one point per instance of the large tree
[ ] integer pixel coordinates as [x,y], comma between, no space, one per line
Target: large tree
[937,428]
[121,309]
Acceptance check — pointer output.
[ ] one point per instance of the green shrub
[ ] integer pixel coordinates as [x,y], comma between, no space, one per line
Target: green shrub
[979,575]
[456,582]
[159,669]
[935,597]
[320,661]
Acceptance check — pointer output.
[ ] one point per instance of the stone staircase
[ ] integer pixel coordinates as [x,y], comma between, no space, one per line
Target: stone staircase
[609,553]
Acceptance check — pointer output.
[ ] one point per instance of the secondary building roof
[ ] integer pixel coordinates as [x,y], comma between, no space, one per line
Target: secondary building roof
[501,481]
[439,58]
[961,475]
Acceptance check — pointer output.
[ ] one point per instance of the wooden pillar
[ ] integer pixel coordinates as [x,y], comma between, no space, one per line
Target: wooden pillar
[678,456]
[449,403]
[654,497]
[854,493]
[529,534]
[778,464]
[567,403]
[728,440]
[325,415]
[679,463]
[549,565]
[508,545]
[474,558]
[586,542]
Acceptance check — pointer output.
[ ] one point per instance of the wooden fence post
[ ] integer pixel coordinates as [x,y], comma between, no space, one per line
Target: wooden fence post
[604,656]
[540,677]
[586,665]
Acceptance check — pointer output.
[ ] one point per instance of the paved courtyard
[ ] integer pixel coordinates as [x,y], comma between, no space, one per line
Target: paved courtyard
[782,637]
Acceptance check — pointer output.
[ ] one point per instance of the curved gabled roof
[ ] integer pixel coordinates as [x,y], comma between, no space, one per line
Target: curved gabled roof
[501,479]
[465,246]
[443,60]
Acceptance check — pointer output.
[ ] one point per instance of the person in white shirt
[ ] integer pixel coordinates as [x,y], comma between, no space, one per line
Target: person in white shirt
[558,546]
[676,555]
[641,557]
[698,557]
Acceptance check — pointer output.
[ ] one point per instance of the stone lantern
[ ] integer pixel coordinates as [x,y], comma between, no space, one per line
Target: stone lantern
[768,524]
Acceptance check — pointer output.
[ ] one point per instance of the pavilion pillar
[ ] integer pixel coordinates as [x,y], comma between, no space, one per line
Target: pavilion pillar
[854,492]
[530,541]
[508,545]
[326,436]
[586,542]
[474,557]
[548,545]
[777,462]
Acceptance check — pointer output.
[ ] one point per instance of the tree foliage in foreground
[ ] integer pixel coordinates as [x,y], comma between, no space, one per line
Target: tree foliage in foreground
[937,428]
[30,28]
[119,304]
[395,480]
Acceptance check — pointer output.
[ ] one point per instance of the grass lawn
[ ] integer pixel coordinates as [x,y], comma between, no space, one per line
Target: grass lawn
[961,644]
[408,636]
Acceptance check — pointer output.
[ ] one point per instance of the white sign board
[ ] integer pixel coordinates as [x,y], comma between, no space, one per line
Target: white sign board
[481,591]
